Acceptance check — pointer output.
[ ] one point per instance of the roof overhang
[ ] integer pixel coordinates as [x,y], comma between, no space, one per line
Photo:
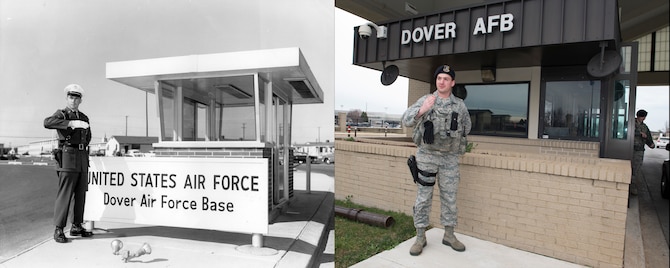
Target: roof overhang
[284,66]
[544,33]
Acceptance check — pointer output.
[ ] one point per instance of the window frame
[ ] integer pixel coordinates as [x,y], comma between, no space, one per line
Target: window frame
[528,90]
[571,73]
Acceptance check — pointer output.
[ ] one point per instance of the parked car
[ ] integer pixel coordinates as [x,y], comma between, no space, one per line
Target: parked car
[662,142]
[300,157]
[328,158]
[665,173]
[133,153]
[100,152]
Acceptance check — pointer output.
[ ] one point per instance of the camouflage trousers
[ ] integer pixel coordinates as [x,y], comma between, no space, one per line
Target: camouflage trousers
[448,176]
[636,165]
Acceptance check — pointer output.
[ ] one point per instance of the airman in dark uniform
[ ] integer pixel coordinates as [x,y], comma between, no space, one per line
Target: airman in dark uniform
[74,136]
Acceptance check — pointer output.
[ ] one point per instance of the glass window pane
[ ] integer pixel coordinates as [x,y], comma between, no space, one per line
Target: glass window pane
[188,120]
[237,117]
[201,122]
[498,109]
[572,109]
[620,110]
[167,104]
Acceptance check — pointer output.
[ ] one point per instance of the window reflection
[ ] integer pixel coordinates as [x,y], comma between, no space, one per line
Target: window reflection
[498,109]
[620,110]
[167,120]
[572,109]
[212,109]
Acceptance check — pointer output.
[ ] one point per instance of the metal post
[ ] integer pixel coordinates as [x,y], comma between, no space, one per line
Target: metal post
[309,174]
[89,225]
[257,240]
[126,125]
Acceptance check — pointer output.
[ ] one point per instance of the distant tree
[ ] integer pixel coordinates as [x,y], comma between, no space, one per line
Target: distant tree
[364,117]
[354,115]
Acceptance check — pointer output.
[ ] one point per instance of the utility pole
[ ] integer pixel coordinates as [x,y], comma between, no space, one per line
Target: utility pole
[126,125]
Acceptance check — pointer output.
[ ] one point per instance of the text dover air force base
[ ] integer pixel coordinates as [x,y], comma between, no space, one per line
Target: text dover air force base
[218,193]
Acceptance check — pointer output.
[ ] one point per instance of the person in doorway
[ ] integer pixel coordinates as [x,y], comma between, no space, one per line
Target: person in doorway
[74,136]
[641,138]
[441,123]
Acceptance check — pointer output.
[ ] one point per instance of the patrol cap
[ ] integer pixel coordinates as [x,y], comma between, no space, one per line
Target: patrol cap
[74,89]
[445,69]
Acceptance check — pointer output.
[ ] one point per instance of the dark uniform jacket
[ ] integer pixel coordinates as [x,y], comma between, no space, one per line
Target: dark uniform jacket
[73,143]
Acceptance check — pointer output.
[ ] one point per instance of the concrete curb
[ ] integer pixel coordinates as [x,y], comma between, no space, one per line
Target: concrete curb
[633,246]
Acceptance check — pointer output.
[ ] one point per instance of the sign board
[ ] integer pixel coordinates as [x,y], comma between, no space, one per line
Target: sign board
[226,194]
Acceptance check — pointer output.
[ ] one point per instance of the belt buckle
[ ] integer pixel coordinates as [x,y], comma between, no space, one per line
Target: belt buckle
[81,147]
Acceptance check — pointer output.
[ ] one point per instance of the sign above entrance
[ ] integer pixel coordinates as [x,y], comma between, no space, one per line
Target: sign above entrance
[505,34]
[442,31]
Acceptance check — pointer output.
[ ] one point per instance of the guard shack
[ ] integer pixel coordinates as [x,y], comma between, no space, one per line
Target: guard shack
[223,159]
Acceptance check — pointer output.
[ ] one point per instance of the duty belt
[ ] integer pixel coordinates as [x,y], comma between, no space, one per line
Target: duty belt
[80,147]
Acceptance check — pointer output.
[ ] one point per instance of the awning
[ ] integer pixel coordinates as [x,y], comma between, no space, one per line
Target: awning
[286,67]
[503,34]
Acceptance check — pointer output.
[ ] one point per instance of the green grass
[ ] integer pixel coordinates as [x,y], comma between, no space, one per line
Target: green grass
[355,242]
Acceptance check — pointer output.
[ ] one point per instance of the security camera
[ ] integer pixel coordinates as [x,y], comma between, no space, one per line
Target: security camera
[364,31]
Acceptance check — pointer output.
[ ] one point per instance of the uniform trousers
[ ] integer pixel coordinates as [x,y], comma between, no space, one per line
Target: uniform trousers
[70,184]
[446,166]
[636,165]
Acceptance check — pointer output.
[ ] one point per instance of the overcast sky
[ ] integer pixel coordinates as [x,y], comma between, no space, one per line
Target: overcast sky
[359,87]
[46,45]
[655,100]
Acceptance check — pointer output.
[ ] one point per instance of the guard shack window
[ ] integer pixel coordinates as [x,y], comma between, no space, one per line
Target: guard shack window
[572,110]
[209,109]
[498,109]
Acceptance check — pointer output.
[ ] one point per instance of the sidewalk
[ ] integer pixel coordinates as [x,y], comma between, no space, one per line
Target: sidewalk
[293,241]
[485,254]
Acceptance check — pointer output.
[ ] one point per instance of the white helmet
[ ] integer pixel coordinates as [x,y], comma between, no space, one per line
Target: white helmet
[74,89]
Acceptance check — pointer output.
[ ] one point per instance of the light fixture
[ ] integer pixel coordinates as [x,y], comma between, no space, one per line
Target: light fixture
[301,86]
[488,74]
[410,9]
[233,91]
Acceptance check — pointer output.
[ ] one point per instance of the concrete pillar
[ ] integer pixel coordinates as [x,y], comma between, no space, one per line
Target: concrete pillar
[342,121]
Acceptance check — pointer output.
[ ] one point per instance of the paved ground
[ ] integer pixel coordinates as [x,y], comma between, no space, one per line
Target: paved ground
[300,237]
[303,237]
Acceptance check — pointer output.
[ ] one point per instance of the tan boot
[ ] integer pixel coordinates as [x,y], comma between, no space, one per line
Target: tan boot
[450,239]
[420,242]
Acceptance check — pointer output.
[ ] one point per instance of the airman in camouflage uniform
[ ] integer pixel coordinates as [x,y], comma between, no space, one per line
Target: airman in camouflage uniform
[642,136]
[438,153]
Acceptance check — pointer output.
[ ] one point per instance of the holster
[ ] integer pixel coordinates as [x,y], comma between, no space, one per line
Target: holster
[414,169]
[58,156]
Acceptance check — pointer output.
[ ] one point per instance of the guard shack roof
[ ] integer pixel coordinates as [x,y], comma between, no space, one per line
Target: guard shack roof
[286,68]
[539,33]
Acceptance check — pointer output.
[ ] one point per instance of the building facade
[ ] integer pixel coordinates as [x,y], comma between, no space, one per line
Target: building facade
[550,87]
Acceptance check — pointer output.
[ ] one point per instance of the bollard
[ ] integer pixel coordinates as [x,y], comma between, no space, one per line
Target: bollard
[89,225]
[257,240]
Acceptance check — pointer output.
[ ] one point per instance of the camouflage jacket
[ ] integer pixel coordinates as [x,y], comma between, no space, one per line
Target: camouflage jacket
[441,114]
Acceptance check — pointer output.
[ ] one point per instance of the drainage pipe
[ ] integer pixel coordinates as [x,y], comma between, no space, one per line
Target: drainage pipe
[364,216]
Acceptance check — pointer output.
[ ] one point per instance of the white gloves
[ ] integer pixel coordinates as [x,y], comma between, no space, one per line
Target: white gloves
[77,124]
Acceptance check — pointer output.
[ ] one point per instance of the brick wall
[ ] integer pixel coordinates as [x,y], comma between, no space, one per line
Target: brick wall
[213,152]
[567,207]
[218,152]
